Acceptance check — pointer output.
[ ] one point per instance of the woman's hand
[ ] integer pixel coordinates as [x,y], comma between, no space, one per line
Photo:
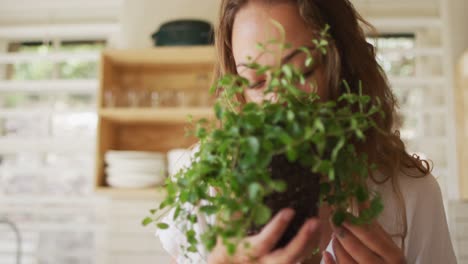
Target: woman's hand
[298,249]
[363,244]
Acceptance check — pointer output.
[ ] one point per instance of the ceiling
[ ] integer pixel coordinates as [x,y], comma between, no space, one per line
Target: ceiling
[75,11]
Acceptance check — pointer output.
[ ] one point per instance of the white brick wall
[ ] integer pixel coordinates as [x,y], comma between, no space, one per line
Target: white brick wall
[127,241]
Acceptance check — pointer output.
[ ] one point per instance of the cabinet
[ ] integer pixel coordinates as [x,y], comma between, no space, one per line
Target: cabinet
[144,100]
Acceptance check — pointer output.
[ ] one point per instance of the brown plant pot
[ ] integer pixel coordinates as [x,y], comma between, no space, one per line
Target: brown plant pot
[302,195]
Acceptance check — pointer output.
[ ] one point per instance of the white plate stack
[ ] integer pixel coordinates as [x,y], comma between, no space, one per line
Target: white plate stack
[135,169]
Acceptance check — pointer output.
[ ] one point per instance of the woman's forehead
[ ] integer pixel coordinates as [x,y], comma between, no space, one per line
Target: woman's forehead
[254,24]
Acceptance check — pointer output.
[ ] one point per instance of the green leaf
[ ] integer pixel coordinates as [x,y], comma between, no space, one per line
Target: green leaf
[254,145]
[253,65]
[279,186]
[302,80]
[376,205]
[231,249]
[261,214]
[323,50]
[291,153]
[337,148]
[176,213]
[147,221]
[218,111]
[285,138]
[331,174]
[190,234]
[308,132]
[316,251]
[213,89]
[287,70]
[361,194]
[209,240]
[263,69]
[260,47]
[162,225]
[290,115]
[287,46]
[275,82]
[305,50]
[192,249]
[321,147]
[323,42]
[360,135]
[225,80]
[338,218]
[318,124]
[201,132]
[209,209]
[192,218]
[164,204]
[280,28]
[255,189]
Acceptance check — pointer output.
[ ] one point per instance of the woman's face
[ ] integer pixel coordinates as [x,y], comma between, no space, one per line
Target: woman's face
[253,25]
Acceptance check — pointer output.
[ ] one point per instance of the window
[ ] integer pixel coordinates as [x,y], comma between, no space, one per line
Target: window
[392,60]
[47,134]
[415,74]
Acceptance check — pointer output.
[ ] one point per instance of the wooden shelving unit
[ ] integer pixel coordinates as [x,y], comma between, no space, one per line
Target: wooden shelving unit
[159,128]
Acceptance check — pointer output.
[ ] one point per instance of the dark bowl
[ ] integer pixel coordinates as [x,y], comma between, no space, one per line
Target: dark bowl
[184,32]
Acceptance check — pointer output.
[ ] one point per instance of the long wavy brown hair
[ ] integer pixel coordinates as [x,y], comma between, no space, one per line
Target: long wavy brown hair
[354,59]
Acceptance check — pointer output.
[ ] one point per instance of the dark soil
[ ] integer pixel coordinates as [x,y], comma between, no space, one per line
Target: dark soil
[302,195]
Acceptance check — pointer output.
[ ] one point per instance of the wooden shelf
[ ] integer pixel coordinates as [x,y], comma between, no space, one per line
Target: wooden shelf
[154,115]
[134,193]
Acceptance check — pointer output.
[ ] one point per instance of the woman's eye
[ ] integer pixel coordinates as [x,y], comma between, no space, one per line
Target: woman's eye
[309,73]
[257,84]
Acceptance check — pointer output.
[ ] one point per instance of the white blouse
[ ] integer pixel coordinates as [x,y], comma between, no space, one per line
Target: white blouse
[427,241]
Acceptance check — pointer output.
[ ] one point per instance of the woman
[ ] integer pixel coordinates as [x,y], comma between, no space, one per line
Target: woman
[413,227]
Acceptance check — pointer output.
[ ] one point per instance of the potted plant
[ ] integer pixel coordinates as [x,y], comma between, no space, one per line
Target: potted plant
[296,151]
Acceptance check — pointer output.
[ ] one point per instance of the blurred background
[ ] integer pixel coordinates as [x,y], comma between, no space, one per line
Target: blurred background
[82,85]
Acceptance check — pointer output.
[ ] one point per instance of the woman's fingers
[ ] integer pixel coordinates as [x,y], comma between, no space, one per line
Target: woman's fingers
[300,247]
[342,257]
[260,244]
[360,252]
[373,227]
[374,238]
[272,232]
[328,258]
